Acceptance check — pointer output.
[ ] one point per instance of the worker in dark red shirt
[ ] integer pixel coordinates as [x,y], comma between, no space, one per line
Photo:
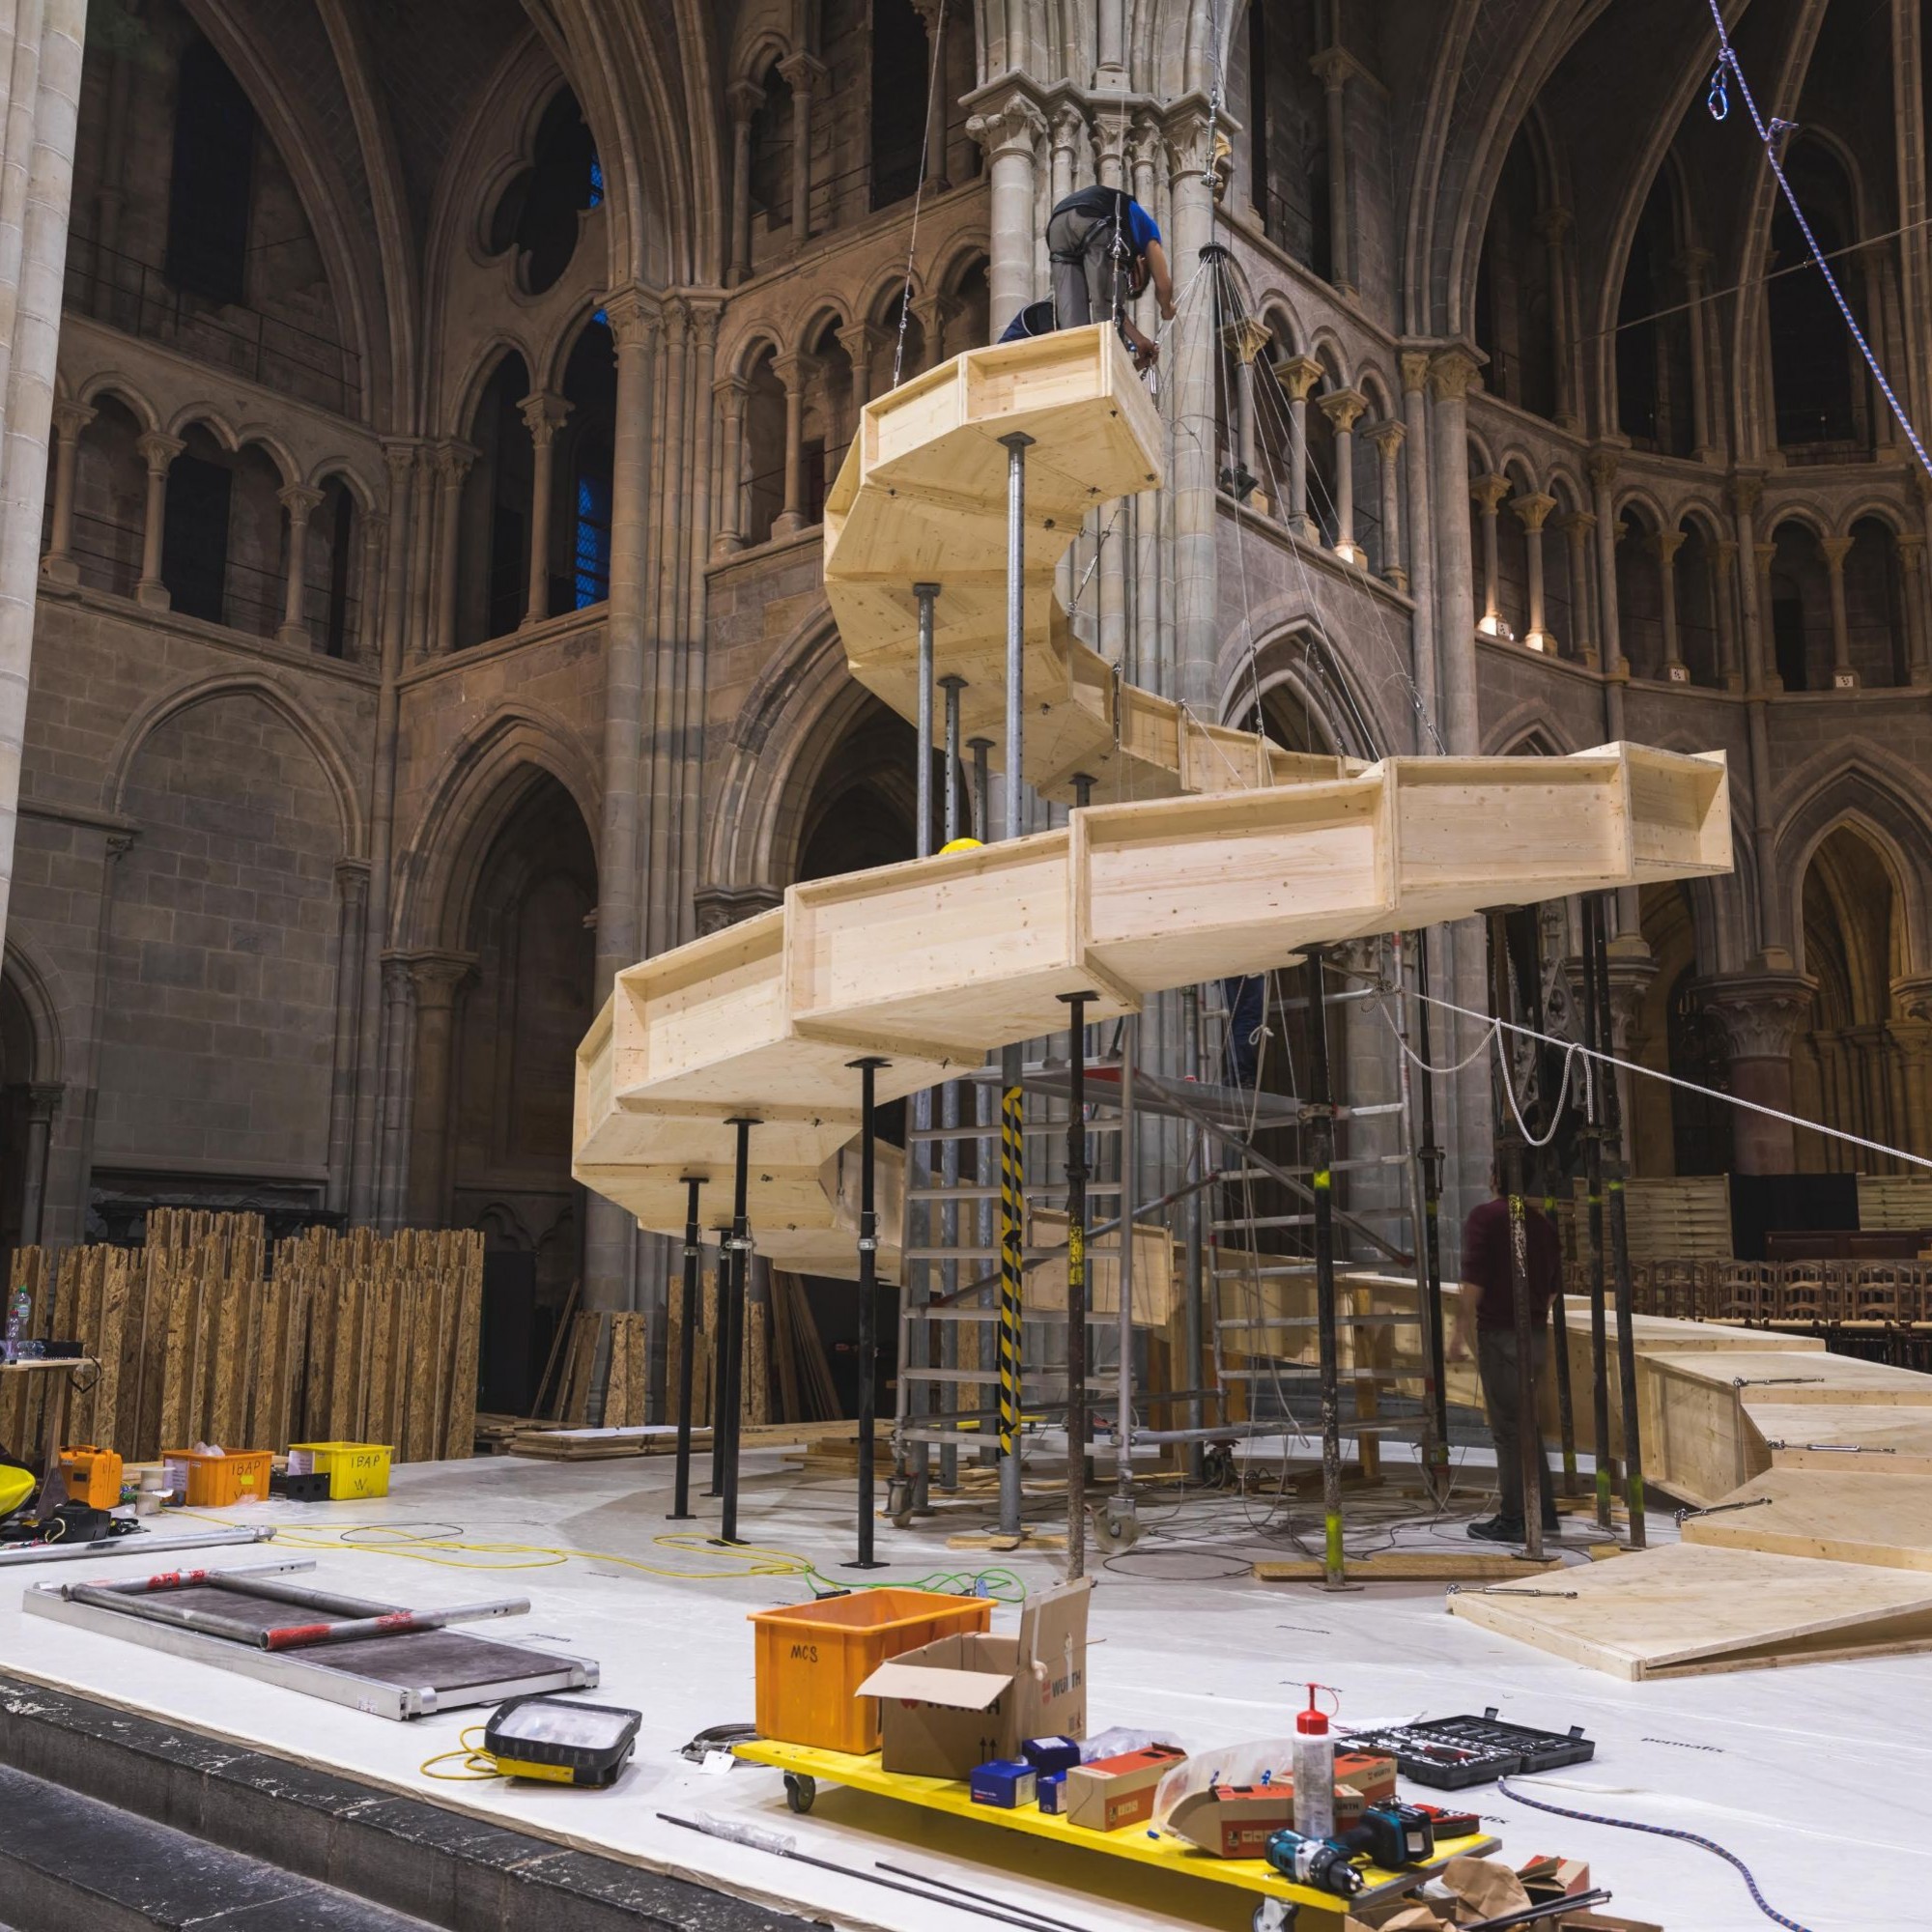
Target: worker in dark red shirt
[1488,1306]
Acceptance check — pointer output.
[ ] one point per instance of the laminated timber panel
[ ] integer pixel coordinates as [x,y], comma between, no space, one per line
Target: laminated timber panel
[1699,1446]
[1201,886]
[1836,1516]
[1686,1609]
[1880,1441]
[957,953]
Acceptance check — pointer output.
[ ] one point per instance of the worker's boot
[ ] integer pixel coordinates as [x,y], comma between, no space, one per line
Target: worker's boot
[1499,1529]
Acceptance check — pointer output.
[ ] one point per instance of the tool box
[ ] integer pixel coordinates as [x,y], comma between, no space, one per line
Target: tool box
[93,1476]
[1453,1753]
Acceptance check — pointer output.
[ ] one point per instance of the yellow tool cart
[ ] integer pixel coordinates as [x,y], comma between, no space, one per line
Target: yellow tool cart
[1277,1900]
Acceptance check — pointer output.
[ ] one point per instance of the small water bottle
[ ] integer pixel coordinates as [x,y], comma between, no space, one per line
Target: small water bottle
[1314,1772]
[19,1312]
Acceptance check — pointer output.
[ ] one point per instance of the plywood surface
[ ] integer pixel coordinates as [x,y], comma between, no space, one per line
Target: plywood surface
[1687,1608]
[1840,1515]
[1874,1440]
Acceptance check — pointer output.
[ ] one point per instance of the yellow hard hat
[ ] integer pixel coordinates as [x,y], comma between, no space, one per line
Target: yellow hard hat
[16,1488]
[960,845]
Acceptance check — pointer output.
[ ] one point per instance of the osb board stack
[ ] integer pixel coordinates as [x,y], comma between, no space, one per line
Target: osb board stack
[347,1338]
[612,1346]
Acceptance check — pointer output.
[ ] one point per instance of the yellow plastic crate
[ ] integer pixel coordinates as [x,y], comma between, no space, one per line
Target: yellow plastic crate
[354,1469]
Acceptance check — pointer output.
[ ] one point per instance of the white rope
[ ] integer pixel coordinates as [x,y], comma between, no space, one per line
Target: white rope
[1557,1108]
[918,192]
[1672,1080]
[1480,1047]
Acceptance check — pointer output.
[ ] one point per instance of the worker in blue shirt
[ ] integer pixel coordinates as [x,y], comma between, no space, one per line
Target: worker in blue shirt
[1105,249]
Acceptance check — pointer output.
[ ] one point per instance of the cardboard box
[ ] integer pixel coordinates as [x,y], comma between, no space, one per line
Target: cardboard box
[1113,1793]
[1235,1821]
[960,1701]
[1371,1774]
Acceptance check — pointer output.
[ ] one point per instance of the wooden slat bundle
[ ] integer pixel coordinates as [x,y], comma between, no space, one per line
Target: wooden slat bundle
[355,1337]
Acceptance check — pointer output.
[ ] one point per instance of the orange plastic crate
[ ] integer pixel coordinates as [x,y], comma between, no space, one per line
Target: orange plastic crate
[215,1482]
[814,1657]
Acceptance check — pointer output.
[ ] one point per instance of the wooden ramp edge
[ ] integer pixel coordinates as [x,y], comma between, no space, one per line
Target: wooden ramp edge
[1830,1514]
[1690,1609]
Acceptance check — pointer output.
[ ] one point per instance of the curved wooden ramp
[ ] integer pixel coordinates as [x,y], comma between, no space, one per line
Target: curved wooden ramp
[1221,853]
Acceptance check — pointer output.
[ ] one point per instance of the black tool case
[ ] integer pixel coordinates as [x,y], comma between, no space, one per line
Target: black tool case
[1453,1753]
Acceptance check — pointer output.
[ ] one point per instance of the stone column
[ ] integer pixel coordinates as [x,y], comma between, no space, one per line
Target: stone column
[543,416]
[1244,340]
[398,1061]
[301,502]
[1532,512]
[1912,595]
[935,312]
[160,452]
[43,1102]
[1487,493]
[1576,527]
[1667,544]
[1298,376]
[352,888]
[932,16]
[1067,131]
[1911,1030]
[436,978]
[1344,410]
[41,44]
[1191,362]
[1387,437]
[1724,612]
[373,527]
[610,1233]
[58,566]
[731,392]
[452,465]
[860,342]
[1335,65]
[1553,224]
[802,74]
[370,1106]
[794,371]
[1110,38]
[1844,676]
[1414,366]
[1603,465]
[422,554]
[1694,265]
[1010,128]
[1762,1014]
[1450,373]
[746,97]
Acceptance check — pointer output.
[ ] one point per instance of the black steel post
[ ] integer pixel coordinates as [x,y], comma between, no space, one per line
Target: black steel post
[982,786]
[1317,1114]
[952,684]
[869,1309]
[680,1509]
[1431,1155]
[731,1323]
[1076,1285]
[719,1438]
[1593,1182]
[1614,1171]
[1509,1160]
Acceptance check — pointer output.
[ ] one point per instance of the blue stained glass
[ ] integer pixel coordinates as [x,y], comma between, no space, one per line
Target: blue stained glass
[593,540]
[596,181]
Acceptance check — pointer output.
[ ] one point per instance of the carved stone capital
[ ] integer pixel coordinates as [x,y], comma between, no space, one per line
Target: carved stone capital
[1532,511]
[1667,544]
[803,73]
[1343,407]
[69,420]
[298,500]
[633,314]
[744,98]
[1911,997]
[720,906]
[1414,363]
[1489,492]
[452,462]
[543,414]
[1762,1013]
[1603,464]
[1746,492]
[435,976]
[1009,126]
[159,450]
[794,370]
[1298,375]
[1576,525]
[1836,550]
[1450,371]
[1388,437]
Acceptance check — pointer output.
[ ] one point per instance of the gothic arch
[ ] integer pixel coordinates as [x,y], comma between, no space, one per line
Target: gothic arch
[111,382]
[1865,790]
[1298,651]
[283,702]
[481,781]
[43,999]
[1528,731]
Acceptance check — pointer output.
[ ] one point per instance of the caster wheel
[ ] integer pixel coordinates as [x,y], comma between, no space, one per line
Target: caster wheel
[1115,1531]
[800,1792]
[1275,1915]
[898,1503]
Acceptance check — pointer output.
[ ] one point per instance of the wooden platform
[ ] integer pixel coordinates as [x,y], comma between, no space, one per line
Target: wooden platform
[1841,1515]
[1690,1608]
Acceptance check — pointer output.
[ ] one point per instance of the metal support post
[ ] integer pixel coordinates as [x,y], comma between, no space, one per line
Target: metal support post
[1593,1181]
[1076,1285]
[1509,1160]
[1430,1156]
[1542,1182]
[1429,1314]
[1317,1114]
[868,1306]
[680,1508]
[983,786]
[731,1327]
[724,1301]
[1012,1278]
[922,827]
[1016,446]
[952,685]
[1123,1524]
[1614,1184]
[1197,1166]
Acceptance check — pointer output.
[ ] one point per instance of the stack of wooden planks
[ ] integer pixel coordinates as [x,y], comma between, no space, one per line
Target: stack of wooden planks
[618,1343]
[355,1337]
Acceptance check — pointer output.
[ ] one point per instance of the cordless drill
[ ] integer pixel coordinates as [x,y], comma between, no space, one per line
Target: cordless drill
[1390,1835]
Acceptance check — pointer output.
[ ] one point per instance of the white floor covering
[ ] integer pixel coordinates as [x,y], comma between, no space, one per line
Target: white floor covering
[1816,1776]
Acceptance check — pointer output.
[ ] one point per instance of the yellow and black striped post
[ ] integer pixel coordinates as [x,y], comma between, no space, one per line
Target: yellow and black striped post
[1076,1285]
[1012,1251]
